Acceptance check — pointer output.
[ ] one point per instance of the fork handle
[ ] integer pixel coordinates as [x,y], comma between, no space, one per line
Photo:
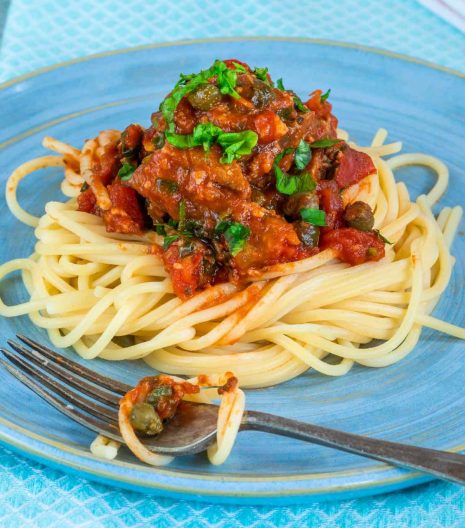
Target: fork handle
[442,464]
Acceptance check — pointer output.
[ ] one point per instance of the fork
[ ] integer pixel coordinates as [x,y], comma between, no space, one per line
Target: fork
[92,400]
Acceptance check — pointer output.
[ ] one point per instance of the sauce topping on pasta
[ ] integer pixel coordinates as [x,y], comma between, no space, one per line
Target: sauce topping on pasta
[236,173]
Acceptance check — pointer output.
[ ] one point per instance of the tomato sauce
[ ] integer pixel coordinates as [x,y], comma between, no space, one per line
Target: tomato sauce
[223,174]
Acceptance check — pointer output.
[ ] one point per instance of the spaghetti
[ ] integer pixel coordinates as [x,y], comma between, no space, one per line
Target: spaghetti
[92,290]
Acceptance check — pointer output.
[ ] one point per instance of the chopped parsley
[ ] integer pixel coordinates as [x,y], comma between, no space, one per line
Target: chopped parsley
[206,134]
[126,171]
[313,216]
[322,143]
[262,74]
[168,240]
[303,155]
[299,105]
[237,144]
[160,229]
[84,187]
[280,85]
[235,234]
[382,238]
[292,183]
[181,141]
[325,96]
[239,67]
[234,144]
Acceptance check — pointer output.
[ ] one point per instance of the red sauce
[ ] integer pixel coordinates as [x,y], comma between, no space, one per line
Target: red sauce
[125,214]
[354,246]
[209,191]
[170,393]
[331,203]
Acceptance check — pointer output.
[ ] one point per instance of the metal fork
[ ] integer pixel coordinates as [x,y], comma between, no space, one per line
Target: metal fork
[92,400]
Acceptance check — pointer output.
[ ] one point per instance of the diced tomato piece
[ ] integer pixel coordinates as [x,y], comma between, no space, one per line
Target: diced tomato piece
[87,202]
[191,272]
[353,167]
[331,203]
[354,246]
[184,117]
[268,126]
[106,165]
[321,108]
[131,138]
[125,215]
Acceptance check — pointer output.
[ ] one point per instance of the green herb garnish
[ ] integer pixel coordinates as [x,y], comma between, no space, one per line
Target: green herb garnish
[206,134]
[313,216]
[292,183]
[84,187]
[325,96]
[382,238]
[280,85]
[160,229]
[125,172]
[181,141]
[303,155]
[237,144]
[235,234]
[168,240]
[299,105]
[322,143]
[234,144]
[239,67]
[262,74]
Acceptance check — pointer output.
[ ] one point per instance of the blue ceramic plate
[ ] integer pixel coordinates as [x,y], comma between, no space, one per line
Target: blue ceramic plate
[419,400]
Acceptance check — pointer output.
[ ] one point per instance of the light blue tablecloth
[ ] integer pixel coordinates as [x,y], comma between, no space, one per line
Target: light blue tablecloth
[41,32]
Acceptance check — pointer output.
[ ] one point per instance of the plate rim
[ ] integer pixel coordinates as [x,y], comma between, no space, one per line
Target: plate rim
[391,478]
[257,38]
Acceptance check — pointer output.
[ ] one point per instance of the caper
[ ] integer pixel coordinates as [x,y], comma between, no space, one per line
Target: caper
[308,234]
[262,94]
[360,216]
[204,97]
[145,419]
[299,201]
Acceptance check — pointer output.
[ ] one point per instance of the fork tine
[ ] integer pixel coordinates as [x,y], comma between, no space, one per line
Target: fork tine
[110,430]
[94,377]
[65,375]
[68,394]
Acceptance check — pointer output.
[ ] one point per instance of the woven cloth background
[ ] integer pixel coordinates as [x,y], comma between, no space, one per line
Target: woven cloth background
[41,32]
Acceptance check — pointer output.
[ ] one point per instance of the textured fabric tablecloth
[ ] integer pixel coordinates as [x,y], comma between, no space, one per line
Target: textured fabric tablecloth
[41,32]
